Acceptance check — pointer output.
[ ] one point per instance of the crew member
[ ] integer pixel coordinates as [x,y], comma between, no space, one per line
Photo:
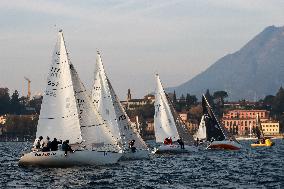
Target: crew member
[37,143]
[46,145]
[181,143]
[66,147]
[131,145]
[54,144]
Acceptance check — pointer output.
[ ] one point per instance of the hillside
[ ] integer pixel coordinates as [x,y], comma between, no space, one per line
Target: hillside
[256,70]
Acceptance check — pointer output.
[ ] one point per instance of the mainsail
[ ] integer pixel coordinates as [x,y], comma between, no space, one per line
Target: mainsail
[214,130]
[104,97]
[201,132]
[58,115]
[258,128]
[166,121]
[95,131]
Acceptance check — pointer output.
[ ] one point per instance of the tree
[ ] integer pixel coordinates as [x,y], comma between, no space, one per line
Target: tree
[209,97]
[174,98]
[15,103]
[190,100]
[4,101]
[278,102]
[220,96]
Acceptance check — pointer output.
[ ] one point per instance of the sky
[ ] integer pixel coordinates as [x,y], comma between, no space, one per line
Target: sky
[137,38]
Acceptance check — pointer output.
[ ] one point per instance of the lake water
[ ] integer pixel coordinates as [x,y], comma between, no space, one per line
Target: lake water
[247,168]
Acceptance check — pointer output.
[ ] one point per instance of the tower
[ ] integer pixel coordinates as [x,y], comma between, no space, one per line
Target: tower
[128,95]
[29,87]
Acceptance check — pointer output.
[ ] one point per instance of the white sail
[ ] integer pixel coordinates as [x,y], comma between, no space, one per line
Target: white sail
[164,122]
[104,97]
[95,131]
[201,132]
[58,115]
[250,130]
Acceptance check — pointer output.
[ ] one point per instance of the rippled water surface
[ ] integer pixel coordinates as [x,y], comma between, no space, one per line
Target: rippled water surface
[247,168]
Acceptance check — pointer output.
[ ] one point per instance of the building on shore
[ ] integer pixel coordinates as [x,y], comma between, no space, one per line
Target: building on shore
[270,127]
[132,104]
[238,122]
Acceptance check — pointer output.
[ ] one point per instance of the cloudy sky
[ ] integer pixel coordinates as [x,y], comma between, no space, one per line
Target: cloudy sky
[176,38]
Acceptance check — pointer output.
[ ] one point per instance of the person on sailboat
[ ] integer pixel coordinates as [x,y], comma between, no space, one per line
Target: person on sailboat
[46,145]
[37,143]
[181,143]
[197,141]
[54,144]
[66,147]
[168,141]
[131,145]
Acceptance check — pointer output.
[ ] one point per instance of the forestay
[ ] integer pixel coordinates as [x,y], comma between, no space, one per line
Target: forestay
[58,115]
[95,131]
[105,99]
[214,130]
[164,122]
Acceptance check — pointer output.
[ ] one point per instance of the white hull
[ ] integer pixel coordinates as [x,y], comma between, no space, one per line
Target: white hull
[246,138]
[138,154]
[175,149]
[225,145]
[58,159]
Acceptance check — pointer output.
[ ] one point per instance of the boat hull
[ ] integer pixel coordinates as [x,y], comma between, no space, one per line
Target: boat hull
[268,143]
[225,145]
[58,159]
[173,148]
[138,154]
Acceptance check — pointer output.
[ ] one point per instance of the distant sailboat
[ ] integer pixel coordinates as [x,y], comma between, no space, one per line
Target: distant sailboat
[201,132]
[250,135]
[262,141]
[167,124]
[67,113]
[216,134]
[105,99]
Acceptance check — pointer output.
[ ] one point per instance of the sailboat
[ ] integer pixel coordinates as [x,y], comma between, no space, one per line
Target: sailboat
[262,141]
[168,125]
[200,135]
[109,106]
[250,135]
[67,113]
[216,134]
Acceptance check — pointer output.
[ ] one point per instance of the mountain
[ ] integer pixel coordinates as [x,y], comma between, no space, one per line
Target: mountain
[256,70]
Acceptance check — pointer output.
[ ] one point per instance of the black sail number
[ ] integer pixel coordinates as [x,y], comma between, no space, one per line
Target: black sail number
[122,117]
[53,84]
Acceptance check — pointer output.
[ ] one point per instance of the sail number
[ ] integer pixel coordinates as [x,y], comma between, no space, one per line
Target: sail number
[50,93]
[55,72]
[122,117]
[52,83]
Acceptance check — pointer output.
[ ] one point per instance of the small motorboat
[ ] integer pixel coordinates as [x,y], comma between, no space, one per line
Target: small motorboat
[262,141]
